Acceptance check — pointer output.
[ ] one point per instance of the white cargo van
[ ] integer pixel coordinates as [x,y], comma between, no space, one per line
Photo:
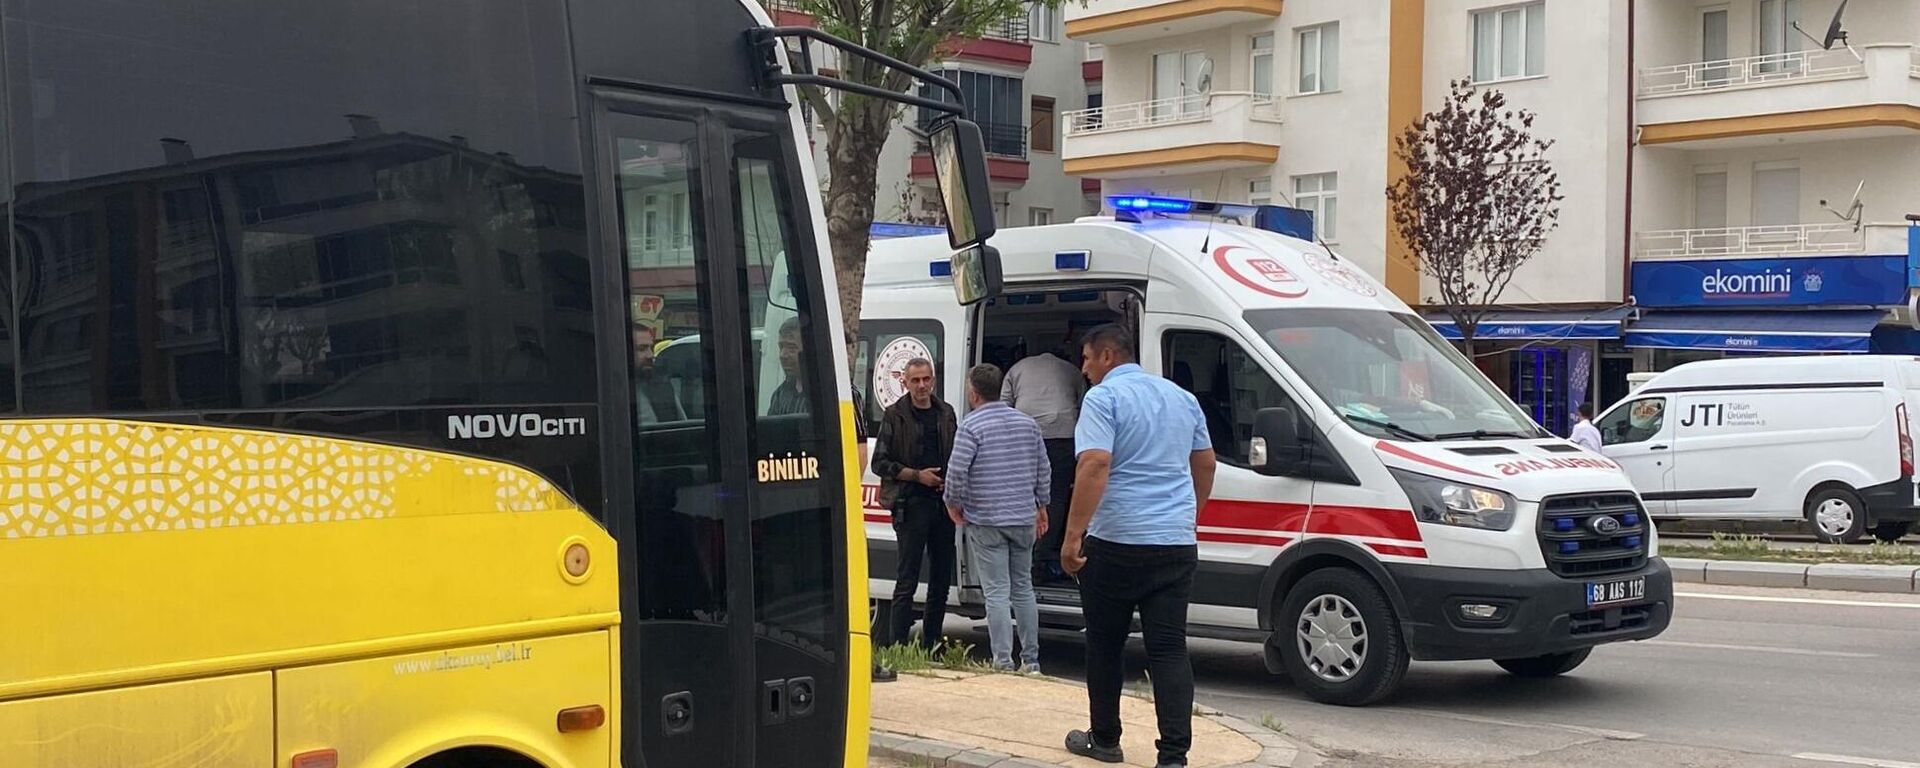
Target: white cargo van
[1827,440]
[1369,478]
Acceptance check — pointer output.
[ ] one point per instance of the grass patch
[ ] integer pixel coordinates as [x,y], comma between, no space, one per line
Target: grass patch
[913,657]
[1745,546]
[1271,723]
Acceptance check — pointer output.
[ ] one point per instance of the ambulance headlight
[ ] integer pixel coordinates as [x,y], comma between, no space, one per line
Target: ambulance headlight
[1451,503]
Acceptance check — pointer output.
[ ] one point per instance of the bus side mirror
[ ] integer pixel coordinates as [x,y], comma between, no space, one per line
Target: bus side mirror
[960,174]
[976,274]
[1277,448]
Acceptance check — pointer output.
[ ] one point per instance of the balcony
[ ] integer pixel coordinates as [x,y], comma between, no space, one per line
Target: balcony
[1125,21]
[1190,134]
[1004,42]
[1824,239]
[1803,95]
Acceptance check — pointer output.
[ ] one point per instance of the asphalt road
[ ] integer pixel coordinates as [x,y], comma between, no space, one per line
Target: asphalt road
[1744,677]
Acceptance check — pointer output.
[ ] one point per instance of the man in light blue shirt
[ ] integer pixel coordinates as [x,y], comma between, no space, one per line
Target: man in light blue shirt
[1145,466]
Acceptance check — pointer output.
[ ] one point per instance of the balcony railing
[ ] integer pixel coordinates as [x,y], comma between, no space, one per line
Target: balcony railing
[1914,55]
[1012,30]
[1145,114]
[1771,69]
[1782,239]
[784,5]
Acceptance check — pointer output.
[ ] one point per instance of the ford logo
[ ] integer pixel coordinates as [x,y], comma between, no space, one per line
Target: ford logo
[1604,525]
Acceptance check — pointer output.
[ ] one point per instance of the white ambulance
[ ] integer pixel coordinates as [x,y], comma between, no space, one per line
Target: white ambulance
[1377,498]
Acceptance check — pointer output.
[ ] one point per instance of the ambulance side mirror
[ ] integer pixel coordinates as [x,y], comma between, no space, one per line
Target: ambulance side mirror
[1277,446]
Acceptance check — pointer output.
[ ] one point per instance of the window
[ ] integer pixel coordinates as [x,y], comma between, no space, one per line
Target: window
[1260,191]
[1776,194]
[1041,128]
[1262,68]
[291,266]
[658,158]
[1778,40]
[1176,84]
[1044,21]
[1230,385]
[1509,43]
[1713,44]
[886,347]
[996,102]
[794,526]
[1709,199]
[1319,193]
[1096,52]
[1634,422]
[1039,217]
[1319,59]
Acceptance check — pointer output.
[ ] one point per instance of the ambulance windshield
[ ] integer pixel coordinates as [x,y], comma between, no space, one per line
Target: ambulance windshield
[1390,375]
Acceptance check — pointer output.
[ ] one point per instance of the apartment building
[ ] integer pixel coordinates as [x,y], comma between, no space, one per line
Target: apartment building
[1018,78]
[1689,135]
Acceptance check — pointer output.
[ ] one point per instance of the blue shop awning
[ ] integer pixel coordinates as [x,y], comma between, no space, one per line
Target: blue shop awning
[1571,325]
[1784,330]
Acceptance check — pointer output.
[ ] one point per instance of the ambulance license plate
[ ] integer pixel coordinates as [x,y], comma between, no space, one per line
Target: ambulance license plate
[1616,592]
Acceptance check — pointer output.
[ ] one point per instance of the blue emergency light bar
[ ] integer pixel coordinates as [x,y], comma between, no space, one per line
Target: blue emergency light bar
[1292,222]
[1154,204]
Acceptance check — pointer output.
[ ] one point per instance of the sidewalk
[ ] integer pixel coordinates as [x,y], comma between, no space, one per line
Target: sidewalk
[943,718]
[1899,579]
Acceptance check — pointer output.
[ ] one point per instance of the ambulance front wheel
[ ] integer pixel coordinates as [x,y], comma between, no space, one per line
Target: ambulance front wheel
[1341,642]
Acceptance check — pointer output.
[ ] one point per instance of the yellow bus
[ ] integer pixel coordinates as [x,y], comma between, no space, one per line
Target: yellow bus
[330,429]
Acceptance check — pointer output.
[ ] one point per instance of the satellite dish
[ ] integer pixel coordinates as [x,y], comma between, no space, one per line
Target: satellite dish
[1205,78]
[1834,32]
[1852,214]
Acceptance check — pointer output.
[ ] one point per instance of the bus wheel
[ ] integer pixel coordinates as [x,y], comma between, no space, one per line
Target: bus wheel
[1836,514]
[1550,665]
[1342,643]
[477,757]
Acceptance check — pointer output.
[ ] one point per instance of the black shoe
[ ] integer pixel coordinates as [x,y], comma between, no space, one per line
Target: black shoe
[883,675]
[1081,743]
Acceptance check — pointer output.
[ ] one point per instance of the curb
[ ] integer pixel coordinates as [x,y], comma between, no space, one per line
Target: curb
[1276,751]
[1899,579]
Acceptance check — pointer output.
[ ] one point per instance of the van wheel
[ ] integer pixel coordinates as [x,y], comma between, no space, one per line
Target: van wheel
[1891,530]
[1836,515]
[1342,643]
[1550,665]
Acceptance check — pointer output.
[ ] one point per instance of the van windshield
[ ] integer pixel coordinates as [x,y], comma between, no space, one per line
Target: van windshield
[1389,374]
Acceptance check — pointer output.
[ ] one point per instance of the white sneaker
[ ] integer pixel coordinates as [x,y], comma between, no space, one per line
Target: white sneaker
[1031,670]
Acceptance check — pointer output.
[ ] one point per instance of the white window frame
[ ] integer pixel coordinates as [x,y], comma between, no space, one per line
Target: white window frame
[1043,22]
[1185,107]
[1095,52]
[1327,190]
[1498,73]
[1039,217]
[1257,59]
[1323,62]
[1260,190]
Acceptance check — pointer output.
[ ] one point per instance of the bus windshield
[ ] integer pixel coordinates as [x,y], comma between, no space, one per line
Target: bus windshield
[1389,374]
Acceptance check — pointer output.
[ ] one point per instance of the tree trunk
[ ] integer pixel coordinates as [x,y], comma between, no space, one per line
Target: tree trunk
[853,157]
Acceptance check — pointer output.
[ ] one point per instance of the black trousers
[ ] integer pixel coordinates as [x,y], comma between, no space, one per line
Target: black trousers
[1060,459]
[922,530]
[1156,582]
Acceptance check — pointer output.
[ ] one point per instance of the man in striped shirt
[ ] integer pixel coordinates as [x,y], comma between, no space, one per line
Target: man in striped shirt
[997,486]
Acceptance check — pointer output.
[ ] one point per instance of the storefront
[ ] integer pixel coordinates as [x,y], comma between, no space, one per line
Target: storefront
[1548,361]
[1708,309]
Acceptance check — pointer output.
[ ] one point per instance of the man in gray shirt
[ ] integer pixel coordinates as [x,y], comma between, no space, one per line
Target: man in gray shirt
[1048,388]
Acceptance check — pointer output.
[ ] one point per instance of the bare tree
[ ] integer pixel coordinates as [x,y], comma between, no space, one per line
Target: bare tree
[913,31]
[1477,202]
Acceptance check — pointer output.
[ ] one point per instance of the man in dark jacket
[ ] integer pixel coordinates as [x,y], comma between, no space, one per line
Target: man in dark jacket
[916,438]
